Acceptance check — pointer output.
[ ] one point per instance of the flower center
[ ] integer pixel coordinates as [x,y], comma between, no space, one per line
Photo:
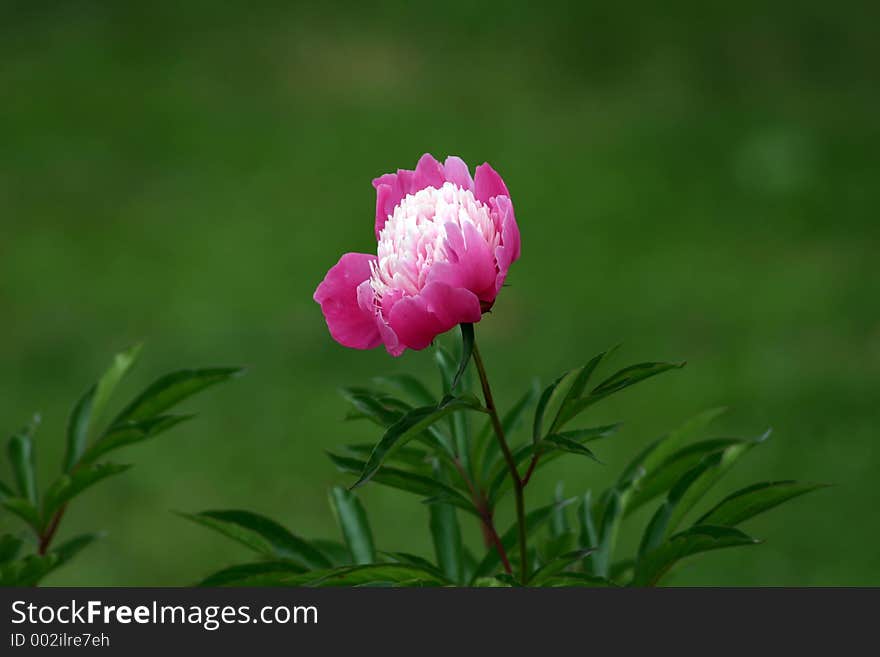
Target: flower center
[415,237]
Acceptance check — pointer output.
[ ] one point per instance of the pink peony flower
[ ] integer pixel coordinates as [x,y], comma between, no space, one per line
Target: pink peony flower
[446,241]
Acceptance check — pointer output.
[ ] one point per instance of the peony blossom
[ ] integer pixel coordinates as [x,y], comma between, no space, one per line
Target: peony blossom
[445,244]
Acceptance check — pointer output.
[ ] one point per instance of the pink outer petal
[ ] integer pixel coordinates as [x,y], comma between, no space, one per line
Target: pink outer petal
[471,265]
[392,187]
[488,184]
[457,173]
[508,251]
[345,302]
[437,308]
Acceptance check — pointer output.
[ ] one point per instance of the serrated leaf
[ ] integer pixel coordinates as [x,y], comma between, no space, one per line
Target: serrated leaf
[172,389]
[69,486]
[753,500]
[406,481]
[262,535]
[700,538]
[408,427]
[534,521]
[128,433]
[352,519]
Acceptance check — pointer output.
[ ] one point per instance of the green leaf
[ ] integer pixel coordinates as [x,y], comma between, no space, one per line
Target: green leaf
[71,547]
[122,363]
[252,574]
[407,481]
[20,450]
[414,560]
[558,441]
[534,521]
[588,536]
[377,574]
[581,580]
[383,410]
[410,456]
[24,509]
[262,535]
[662,449]
[364,575]
[446,535]
[128,433]
[716,466]
[500,481]
[337,553]
[545,572]
[172,389]
[409,385]
[352,519]
[5,491]
[700,538]
[664,476]
[573,391]
[621,380]
[749,502]
[69,486]
[559,519]
[467,349]
[78,429]
[28,571]
[408,427]
[608,528]
[491,451]
[541,408]
[9,547]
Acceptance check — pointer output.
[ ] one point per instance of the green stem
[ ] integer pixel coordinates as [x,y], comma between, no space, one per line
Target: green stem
[511,464]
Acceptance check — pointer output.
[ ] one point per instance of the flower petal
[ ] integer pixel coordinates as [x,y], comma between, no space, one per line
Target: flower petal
[508,251]
[471,264]
[457,173]
[417,320]
[488,184]
[343,300]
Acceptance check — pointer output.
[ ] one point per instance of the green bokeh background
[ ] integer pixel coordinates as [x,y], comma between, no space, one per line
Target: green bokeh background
[695,183]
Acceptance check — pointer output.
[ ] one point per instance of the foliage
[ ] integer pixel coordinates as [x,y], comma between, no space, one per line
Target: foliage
[25,560]
[445,451]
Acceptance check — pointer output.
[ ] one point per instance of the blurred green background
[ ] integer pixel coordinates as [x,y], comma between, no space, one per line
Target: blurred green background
[695,183]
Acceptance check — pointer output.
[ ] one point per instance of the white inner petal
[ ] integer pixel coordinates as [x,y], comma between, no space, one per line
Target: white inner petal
[415,236]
